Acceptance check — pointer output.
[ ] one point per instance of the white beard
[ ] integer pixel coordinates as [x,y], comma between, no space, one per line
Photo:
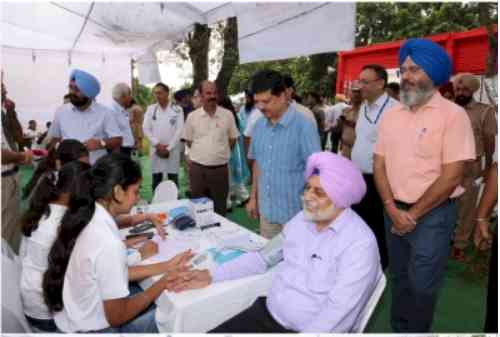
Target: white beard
[318,214]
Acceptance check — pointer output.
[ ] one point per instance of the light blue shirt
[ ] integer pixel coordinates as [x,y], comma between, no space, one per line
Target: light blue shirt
[281,151]
[96,122]
[325,278]
[122,119]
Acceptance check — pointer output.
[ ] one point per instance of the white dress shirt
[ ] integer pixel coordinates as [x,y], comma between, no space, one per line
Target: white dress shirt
[96,122]
[123,121]
[164,126]
[366,131]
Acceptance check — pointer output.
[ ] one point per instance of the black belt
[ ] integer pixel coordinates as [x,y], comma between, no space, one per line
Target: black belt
[405,206]
[209,167]
[10,172]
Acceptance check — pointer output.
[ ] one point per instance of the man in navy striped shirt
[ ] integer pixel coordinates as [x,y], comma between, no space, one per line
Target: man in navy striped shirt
[281,144]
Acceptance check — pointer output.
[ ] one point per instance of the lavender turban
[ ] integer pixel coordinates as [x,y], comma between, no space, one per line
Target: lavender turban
[86,83]
[429,56]
[339,177]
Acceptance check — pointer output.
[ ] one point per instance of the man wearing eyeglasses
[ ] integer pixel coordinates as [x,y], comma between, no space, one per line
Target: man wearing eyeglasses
[372,83]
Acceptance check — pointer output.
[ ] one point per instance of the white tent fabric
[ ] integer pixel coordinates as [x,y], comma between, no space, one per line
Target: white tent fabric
[60,33]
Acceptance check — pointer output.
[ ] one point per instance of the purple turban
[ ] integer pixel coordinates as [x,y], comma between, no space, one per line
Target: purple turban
[86,83]
[339,177]
[429,56]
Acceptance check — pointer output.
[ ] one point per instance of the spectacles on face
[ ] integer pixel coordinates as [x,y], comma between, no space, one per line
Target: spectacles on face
[367,82]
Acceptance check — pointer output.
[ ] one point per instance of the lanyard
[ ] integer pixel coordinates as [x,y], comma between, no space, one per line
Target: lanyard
[378,113]
[154,112]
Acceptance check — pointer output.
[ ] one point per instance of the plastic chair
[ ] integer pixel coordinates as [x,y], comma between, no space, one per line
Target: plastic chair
[165,191]
[366,313]
[13,319]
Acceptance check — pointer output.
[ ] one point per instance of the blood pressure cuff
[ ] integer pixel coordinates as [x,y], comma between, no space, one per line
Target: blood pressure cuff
[272,252]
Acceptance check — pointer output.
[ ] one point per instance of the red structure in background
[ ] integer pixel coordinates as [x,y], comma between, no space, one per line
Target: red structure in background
[468,51]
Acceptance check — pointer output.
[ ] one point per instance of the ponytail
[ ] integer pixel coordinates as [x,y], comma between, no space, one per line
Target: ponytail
[97,183]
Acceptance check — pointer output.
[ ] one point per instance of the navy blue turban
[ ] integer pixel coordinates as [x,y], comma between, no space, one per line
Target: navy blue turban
[86,83]
[429,56]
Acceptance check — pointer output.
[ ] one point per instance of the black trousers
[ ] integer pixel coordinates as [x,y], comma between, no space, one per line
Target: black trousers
[211,182]
[491,324]
[335,139]
[158,178]
[371,210]
[126,151]
[255,319]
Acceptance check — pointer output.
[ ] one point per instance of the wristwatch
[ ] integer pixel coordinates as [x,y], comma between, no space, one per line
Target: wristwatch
[103,143]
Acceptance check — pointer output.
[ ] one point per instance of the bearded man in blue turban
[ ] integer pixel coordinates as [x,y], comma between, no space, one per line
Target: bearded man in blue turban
[422,147]
[84,119]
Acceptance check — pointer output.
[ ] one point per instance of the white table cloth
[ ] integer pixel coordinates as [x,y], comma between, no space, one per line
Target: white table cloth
[201,310]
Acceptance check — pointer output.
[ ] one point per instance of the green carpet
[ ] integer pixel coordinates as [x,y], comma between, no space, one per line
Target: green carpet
[462,300]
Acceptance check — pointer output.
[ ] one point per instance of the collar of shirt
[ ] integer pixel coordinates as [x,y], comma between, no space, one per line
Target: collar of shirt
[336,226]
[103,215]
[378,102]
[158,106]
[118,108]
[91,106]
[471,104]
[216,113]
[285,120]
[433,103]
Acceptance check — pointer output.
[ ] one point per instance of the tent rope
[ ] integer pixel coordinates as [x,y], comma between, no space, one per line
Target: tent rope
[83,26]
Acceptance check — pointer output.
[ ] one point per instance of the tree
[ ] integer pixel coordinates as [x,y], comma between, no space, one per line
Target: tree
[231,56]
[198,42]
[141,94]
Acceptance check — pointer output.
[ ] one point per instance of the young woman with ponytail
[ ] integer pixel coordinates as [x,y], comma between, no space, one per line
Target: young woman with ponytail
[39,226]
[87,283]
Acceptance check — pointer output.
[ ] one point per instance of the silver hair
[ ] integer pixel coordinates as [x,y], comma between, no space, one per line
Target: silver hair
[120,90]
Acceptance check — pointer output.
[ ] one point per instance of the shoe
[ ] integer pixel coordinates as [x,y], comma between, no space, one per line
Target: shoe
[458,254]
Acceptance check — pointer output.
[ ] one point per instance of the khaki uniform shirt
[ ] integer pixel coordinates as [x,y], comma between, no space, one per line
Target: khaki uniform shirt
[484,124]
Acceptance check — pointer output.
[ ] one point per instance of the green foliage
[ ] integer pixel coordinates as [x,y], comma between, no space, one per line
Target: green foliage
[142,94]
[381,22]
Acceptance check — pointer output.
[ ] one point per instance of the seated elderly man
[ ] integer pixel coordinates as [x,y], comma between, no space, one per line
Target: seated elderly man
[326,257]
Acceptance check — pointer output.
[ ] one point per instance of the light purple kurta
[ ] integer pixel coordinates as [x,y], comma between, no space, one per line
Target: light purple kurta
[325,278]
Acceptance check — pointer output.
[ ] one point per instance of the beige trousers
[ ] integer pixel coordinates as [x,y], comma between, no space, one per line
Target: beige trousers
[11,203]
[466,205]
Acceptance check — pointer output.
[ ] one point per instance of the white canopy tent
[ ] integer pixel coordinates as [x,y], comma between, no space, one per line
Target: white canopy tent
[43,41]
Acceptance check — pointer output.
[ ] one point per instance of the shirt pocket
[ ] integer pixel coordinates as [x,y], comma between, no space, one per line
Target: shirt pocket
[427,144]
[320,275]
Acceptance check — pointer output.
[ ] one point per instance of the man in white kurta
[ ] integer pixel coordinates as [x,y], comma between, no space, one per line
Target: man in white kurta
[163,124]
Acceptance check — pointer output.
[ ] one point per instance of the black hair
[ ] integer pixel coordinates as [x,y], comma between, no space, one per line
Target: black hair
[94,184]
[314,95]
[49,189]
[67,151]
[227,104]
[67,96]
[394,86]
[163,86]
[265,80]
[249,101]
[289,82]
[379,71]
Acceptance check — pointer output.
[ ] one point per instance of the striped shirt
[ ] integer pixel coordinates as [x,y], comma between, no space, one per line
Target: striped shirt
[281,151]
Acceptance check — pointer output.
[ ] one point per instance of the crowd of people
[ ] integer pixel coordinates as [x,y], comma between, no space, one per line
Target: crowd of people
[382,181]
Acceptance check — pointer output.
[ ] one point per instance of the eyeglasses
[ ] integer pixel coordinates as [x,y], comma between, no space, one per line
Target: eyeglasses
[366,82]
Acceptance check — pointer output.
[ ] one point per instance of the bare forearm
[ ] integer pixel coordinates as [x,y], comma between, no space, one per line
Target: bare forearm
[123,310]
[11,157]
[255,180]
[125,221]
[437,193]
[490,193]
[138,273]
[381,181]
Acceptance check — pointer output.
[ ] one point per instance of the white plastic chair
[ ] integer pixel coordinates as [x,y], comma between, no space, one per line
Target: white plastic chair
[165,191]
[13,319]
[366,313]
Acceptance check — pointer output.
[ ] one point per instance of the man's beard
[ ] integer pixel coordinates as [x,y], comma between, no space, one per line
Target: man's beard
[412,97]
[313,213]
[463,100]
[79,102]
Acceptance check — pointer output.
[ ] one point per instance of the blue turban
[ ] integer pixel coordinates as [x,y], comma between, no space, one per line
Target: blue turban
[429,56]
[86,83]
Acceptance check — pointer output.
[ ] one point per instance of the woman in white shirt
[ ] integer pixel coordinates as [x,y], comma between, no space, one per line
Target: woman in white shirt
[87,283]
[39,225]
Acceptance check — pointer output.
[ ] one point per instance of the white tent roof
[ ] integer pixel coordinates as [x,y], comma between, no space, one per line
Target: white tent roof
[133,28]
